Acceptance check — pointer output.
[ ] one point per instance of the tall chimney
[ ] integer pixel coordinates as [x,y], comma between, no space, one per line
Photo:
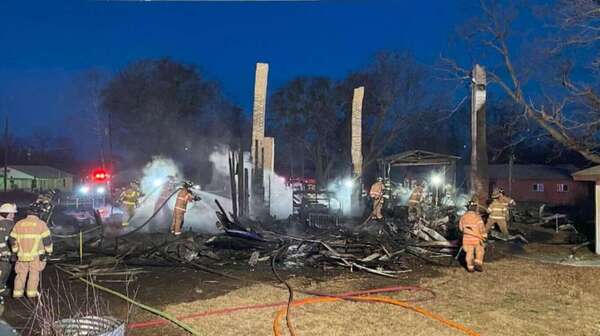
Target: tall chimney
[258,111]
[479,160]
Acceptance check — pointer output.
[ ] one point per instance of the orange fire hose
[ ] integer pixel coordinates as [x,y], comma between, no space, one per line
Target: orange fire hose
[380,299]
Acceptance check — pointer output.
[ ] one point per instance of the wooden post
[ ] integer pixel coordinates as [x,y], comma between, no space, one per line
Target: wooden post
[5,154]
[597,202]
[233,184]
[242,185]
[511,162]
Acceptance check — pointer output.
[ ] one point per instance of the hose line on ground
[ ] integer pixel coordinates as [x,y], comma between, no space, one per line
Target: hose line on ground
[98,227]
[288,318]
[155,311]
[226,311]
[380,299]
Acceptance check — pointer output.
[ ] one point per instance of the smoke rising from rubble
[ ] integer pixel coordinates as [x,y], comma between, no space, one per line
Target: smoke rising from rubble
[277,193]
[279,196]
[200,216]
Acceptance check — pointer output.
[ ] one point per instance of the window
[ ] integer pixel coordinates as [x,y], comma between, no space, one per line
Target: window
[538,187]
[562,187]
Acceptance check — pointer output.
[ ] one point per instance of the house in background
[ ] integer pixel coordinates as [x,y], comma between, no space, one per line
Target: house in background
[553,185]
[36,178]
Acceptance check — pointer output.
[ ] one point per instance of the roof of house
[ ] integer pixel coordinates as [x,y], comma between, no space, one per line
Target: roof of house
[419,158]
[590,174]
[41,171]
[530,172]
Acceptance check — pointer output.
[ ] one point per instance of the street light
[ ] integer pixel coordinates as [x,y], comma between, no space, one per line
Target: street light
[436,181]
[348,183]
[157,182]
[84,190]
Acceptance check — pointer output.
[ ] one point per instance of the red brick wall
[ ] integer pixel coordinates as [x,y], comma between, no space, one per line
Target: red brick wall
[522,191]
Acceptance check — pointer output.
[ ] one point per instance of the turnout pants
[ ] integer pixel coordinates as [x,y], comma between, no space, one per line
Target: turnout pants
[377,207]
[474,255]
[502,225]
[177,221]
[130,210]
[5,270]
[28,272]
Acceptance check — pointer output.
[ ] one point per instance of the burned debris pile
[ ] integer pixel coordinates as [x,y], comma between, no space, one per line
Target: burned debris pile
[384,248]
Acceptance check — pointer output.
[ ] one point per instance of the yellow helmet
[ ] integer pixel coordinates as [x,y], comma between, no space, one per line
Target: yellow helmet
[8,208]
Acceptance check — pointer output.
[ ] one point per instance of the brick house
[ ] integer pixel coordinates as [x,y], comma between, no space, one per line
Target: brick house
[552,185]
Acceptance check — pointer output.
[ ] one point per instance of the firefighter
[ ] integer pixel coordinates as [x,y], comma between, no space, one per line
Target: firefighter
[480,208]
[129,199]
[30,239]
[165,193]
[415,199]
[508,201]
[184,196]
[376,194]
[498,211]
[474,236]
[7,217]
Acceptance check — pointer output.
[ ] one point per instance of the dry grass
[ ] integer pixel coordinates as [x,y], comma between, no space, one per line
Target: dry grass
[521,297]
[513,297]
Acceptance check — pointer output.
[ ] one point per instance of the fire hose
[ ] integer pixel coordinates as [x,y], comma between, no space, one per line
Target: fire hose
[98,227]
[290,303]
[151,216]
[231,310]
[379,299]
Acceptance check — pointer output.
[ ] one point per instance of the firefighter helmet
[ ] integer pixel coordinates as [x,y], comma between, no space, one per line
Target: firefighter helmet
[472,205]
[8,208]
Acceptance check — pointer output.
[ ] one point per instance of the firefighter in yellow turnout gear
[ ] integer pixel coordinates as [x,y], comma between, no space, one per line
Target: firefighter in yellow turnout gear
[129,199]
[30,239]
[376,193]
[499,211]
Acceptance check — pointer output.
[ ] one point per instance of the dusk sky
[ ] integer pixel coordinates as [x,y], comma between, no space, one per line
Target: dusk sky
[46,44]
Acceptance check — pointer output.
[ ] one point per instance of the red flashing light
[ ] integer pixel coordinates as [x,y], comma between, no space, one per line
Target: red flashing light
[100,175]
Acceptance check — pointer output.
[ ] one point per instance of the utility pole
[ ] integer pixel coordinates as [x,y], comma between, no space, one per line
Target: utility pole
[511,162]
[5,153]
[479,160]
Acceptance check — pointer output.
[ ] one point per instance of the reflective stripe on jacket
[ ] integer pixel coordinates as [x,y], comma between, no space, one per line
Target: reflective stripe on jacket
[130,197]
[183,198]
[416,196]
[6,226]
[376,190]
[498,210]
[30,238]
[472,227]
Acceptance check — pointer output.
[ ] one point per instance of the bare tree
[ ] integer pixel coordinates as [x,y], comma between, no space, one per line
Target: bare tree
[397,93]
[541,83]
[155,107]
[91,115]
[307,117]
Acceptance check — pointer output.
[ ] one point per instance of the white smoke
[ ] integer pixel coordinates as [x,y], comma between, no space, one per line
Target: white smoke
[341,191]
[279,195]
[200,216]
[220,174]
[156,172]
